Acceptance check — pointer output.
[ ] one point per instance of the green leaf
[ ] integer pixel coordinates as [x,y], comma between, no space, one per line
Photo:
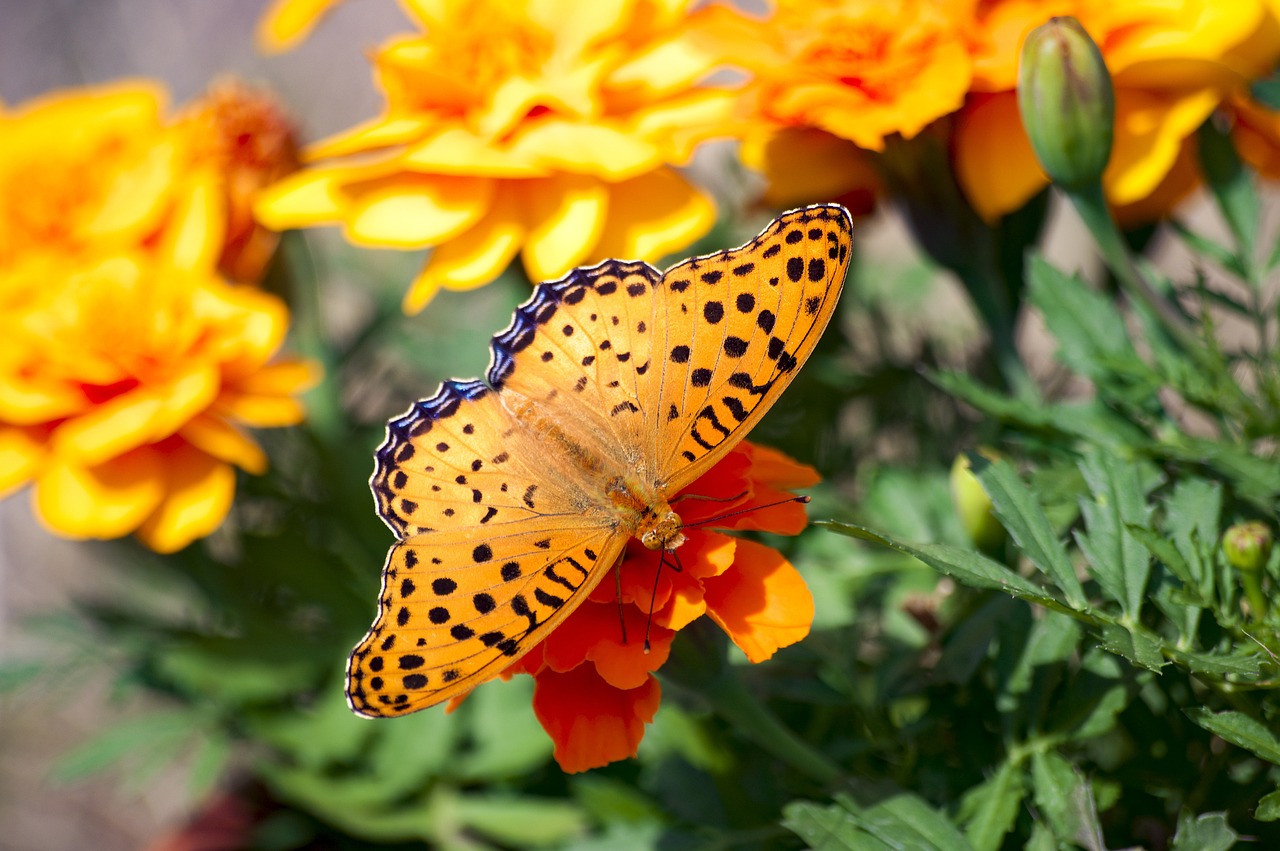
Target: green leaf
[1022,516]
[898,821]
[1268,807]
[1063,796]
[1241,663]
[1206,832]
[16,675]
[516,820]
[1266,91]
[1133,643]
[1092,339]
[966,566]
[507,740]
[828,828]
[989,810]
[148,734]
[1231,185]
[1240,730]
[1223,256]
[1120,563]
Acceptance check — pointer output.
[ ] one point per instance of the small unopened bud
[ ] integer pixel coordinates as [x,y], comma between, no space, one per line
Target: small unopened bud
[1247,546]
[1066,102]
[973,506]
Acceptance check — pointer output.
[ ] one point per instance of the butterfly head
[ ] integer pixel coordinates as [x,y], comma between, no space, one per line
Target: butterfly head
[664,532]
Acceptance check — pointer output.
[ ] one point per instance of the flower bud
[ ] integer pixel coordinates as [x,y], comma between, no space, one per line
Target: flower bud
[973,506]
[1247,546]
[1066,102]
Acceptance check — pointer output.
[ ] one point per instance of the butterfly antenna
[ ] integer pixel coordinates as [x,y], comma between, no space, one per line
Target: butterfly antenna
[804,500]
[682,497]
[653,595]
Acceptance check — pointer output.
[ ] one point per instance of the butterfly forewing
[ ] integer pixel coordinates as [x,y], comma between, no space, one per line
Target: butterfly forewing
[733,330]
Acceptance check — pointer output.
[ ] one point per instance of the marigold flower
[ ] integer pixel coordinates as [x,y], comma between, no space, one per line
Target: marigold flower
[127,365]
[287,22]
[596,691]
[547,130]
[1170,64]
[863,72]
[1256,133]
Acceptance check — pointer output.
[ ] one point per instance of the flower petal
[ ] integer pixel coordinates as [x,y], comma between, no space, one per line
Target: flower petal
[596,149]
[591,722]
[653,215]
[302,199]
[220,439]
[382,132]
[594,633]
[566,215]
[104,501]
[415,211]
[197,230]
[458,151]
[1150,129]
[288,22]
[995,165]
[762,602]
[21,451]
[805,165]
[199,493]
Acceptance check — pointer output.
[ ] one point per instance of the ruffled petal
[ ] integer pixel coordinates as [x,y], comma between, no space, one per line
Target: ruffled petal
[104,501]
[1150,129]
[597,149]
[653,215]
[458,151]
[199,493]
[566,215]
[416,211]
[220,439]
[591,722]
[762,603]
[804,165]
[594,633]
[197,230]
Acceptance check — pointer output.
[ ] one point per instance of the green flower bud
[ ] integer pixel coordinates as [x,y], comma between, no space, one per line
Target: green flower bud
[973,506]
[1247,546]
[1066,102]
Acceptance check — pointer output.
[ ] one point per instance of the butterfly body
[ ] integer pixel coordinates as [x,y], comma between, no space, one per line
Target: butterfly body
[612,390]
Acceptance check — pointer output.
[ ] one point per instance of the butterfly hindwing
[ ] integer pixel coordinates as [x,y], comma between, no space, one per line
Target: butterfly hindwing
[733,329]
[459,606]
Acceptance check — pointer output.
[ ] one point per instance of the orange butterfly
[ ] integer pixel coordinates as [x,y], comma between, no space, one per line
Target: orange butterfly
[613,388]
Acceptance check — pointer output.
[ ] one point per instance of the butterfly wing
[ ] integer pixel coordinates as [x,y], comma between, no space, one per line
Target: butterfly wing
[493,551]
[732,330]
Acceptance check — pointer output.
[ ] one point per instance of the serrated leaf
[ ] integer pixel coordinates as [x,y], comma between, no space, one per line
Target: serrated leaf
[1065,799]
[1241,663]
[828,828]
[1118,492]
[1202,245]
[1240,730]
[966,566]
[1205,832]
[1092,339]
[989,810]
[1021,514]
[1133,643]
[143,735]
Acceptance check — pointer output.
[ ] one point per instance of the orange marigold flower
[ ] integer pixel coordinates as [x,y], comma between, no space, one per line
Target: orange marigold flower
[595,688]
[1170,63]
[127,365]
[862,72]
[547,130]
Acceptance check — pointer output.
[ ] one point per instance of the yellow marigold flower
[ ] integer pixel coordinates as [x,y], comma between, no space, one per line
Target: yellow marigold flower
[127,365]
[544,129]
[859,72]
[1171,64]
[287,22]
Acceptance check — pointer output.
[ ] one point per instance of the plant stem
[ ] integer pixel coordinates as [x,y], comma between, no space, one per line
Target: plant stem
[324,410]
[1091,204]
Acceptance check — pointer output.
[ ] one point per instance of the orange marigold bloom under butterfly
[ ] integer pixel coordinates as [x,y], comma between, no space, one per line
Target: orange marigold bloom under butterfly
[596,691]
[1171,64]
[127,364]
[548,130]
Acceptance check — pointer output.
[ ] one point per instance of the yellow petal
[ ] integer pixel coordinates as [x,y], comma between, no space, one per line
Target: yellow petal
[381,132]
[288,22]
[195,235]
[27,401]
[260,411]
[457,151]
[653,215]
[587,149]
[667,66]
[474,258]
[995,165]
[566,215]
[200,490]
[303,199]
[578,25]
[20,455]
[221,439]
[416,211]
[104,501]
[283,378]
[137,197]
[143,415]
[681,124]
[1150,129]
[805,165]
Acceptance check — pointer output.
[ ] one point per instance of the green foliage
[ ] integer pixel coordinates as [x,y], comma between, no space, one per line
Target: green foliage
[1106,681]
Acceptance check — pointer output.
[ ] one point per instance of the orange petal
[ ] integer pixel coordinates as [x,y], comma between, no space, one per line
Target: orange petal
[282,378]
[591,722]
[197,230]
[21,452]
[199,493]
[995,165]
[778,469]
[1257,136]
[593,633]
[1150,129]
[221,439]
[566,215]
[105,501]
[804,165]
[653,215]
[762,602]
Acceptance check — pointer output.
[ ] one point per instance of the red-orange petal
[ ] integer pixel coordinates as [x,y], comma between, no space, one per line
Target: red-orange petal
[591,722]
[762,602]
[593,633]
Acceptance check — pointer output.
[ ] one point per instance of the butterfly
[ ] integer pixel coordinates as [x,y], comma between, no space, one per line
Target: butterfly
[612,389]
